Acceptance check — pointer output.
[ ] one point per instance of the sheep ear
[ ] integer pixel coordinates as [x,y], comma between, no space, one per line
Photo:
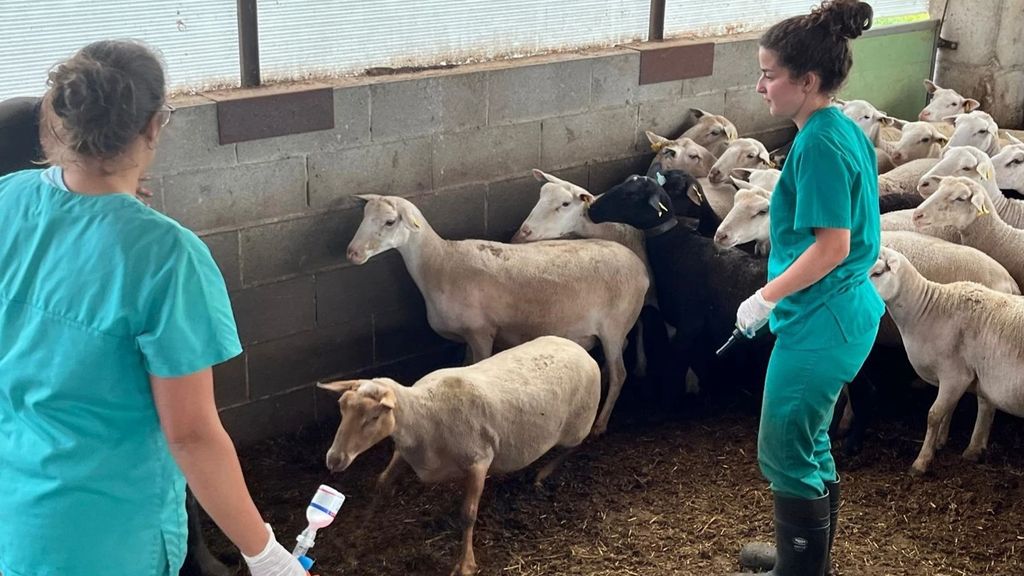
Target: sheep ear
[408,216]
[951,119]
[766,159]
[741,184]
[740,174]
[941,138]
[657,142]
[886,120]
[978,199]
[970,104]
[387,401]
[730,132]
[588,198]
[698,113]
[340,386]
[368,197]
[897,123]
[984,169]
[931,87]
[1013,139]
[840,102]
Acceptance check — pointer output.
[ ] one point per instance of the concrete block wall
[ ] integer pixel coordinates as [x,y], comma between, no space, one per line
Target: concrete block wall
[278,213]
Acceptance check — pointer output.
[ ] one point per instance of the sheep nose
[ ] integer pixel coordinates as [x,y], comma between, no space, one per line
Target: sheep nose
[897,156]
[918,218]
[337,462]
[924,115]
[354,256]
[721,238]
[715,175]
[523,233]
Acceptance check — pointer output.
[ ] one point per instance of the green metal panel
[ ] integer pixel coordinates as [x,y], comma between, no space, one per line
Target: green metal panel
[889,67]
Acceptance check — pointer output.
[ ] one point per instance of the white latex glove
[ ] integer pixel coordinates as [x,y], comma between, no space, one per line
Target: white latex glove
[753,314]
[274,560]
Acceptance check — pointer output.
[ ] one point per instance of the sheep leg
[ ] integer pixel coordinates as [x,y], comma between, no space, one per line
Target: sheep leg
[982,427]
[395,468]
[950,392]
[475,477]
[616,377]
[943,436]
[640,370]
[481,344]
[545,472]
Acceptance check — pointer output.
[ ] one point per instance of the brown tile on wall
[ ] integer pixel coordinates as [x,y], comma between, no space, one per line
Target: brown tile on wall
[664,64]
[253,114]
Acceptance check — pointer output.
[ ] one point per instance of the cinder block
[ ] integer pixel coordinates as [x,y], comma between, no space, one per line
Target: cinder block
[749,112]
[509,202]
[348,294]
[229,383]
[224,248]
[411,108]
[485,154]
[532,92]
[304,358]
[1007,108]
[398,169]
[736,65]
[604,175]
[282,249]
[456,213]
[274,311]
[270,418]
[615,80]
[669,118]
[233,196]
[351,128]
[190,142]
[570,140]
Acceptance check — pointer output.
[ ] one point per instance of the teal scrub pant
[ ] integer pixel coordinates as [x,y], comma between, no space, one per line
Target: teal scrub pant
[800,393]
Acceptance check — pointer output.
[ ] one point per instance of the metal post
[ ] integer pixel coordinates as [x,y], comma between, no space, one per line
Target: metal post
[656,29]
[248,43]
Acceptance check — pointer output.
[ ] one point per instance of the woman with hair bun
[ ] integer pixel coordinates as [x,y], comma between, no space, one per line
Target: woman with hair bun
[818,300]
[111,316]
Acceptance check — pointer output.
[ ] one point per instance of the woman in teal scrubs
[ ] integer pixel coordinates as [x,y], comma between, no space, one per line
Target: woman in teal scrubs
[111,316]
[821,307]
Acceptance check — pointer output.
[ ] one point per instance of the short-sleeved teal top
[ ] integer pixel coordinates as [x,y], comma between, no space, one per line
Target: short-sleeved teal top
[830,180]
[97,293]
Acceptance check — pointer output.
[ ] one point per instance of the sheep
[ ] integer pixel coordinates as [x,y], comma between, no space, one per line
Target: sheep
[495,417]
[976,129]
[973,163]
[944,262]
[1008,166]
[965,204]
[487,293]
[682,154]
[894,202]
[959,337]
[903,221]
[945,102]
[759,177]
[879,127]
[918,140]
[561,212]
[904,178]
[747,221]
[682,261]
[712,131]
[741,153]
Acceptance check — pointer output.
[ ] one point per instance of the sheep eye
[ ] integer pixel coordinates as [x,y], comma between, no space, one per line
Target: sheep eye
[1017,161]
[924,141]
[982,131]
[565,204]
[389,223]
[750,156]
[762,213]
[669,152]
[694,156]
[955,105]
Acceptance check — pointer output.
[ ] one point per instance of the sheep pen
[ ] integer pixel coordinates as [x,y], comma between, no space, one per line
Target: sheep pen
[673,494]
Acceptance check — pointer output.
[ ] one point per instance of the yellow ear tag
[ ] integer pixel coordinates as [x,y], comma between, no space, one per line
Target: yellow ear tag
[657,146]
[985,171]
[662,209]
[415,223]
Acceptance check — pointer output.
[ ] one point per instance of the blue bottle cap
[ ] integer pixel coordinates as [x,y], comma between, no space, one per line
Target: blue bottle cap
[306,562]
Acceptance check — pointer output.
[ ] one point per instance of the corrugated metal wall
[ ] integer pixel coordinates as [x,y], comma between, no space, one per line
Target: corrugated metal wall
[198,38]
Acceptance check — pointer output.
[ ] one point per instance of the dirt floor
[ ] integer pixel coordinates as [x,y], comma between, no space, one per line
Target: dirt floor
[662,496]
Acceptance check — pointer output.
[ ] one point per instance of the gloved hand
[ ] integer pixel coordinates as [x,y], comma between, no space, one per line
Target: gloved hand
[753,314]
[274,560]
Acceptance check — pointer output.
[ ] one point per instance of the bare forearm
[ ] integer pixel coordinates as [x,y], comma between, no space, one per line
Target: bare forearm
[813,265]
[210,465]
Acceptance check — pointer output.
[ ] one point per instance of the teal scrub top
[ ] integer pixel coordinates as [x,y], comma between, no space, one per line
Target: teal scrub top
[97,293]
[830,180]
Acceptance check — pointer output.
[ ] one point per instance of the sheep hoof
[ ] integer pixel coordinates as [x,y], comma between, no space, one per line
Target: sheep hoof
[918,469]
[465,569]
[974,455]
[598,430]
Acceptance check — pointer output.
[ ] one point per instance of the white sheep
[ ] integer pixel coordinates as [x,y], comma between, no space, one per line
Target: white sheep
[879,127]
[1008,166]
[965,204]
[490,294]
[495,417]
[918,140]
[903,221]
[748,221]
[761,178]
[903,179]
[976,129]
[741,153]
[712,131]
[682,154]
[958,337]
[945,102]
[968,161]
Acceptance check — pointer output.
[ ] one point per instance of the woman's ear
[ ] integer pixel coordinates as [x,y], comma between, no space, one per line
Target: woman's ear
[152,131]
